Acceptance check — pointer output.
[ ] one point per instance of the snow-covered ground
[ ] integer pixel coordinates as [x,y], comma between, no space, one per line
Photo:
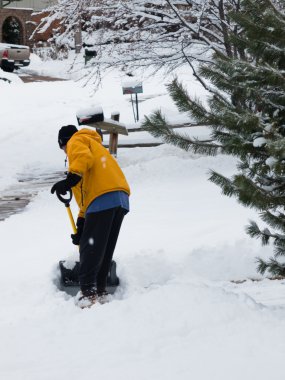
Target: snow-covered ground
[177,313]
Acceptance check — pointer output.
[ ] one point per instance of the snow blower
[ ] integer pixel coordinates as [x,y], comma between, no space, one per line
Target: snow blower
[69,270]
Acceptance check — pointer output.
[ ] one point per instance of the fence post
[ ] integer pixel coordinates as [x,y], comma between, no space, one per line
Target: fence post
[113,140]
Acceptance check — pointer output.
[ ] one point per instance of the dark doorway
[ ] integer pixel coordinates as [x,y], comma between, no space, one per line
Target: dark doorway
[12,31]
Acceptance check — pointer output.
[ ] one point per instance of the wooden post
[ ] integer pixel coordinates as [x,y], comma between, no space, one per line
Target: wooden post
[113,140]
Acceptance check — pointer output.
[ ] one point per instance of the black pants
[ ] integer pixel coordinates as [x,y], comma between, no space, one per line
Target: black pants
[97,245]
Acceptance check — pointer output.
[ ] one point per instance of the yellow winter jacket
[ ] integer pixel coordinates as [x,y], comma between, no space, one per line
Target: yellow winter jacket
[99,170]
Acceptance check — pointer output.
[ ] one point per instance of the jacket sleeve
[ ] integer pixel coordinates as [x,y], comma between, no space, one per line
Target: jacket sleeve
[79,156]
[80,160]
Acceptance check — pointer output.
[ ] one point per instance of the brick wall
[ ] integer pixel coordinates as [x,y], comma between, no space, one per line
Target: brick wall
[44,36]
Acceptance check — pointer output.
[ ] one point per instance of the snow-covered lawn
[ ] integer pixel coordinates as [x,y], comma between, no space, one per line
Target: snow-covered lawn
[176,315]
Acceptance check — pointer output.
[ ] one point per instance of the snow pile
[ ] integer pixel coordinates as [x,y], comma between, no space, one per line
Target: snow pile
[8,78]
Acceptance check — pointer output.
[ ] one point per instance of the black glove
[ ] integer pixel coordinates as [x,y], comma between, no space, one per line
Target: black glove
[80,225]
[65,185]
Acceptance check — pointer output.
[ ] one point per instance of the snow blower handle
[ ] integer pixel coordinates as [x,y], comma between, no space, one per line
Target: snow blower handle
[66,202]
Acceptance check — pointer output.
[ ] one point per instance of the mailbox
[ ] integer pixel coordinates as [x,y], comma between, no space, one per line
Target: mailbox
[89,53]
[132,87]
[90,115]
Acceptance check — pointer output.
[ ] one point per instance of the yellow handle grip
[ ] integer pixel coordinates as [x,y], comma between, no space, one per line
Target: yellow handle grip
[71,219]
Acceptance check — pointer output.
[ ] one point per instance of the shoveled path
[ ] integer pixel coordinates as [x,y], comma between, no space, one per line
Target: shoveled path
[15,198]
[29,78]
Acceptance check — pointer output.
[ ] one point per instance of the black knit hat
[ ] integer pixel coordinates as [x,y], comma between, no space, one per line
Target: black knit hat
[65,134]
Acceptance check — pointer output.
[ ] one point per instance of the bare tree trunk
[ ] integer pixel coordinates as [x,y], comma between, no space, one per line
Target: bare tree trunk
[78,38]
[225,30]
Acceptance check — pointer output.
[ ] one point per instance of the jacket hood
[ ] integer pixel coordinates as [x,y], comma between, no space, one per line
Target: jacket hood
[89,133]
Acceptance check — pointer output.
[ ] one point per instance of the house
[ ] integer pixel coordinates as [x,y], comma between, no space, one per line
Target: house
[35,5]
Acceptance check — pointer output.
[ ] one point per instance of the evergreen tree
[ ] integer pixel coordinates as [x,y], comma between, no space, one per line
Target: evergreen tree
[246,114]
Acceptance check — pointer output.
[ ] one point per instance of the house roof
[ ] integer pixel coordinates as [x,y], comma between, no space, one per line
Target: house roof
[36,5]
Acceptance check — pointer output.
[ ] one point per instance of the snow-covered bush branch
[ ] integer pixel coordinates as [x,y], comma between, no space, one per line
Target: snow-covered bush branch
[163,33]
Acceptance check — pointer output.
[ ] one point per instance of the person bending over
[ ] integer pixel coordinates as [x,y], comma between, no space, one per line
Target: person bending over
[102,194]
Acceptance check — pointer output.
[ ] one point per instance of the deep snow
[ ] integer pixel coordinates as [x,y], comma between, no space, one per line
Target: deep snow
[176,315]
